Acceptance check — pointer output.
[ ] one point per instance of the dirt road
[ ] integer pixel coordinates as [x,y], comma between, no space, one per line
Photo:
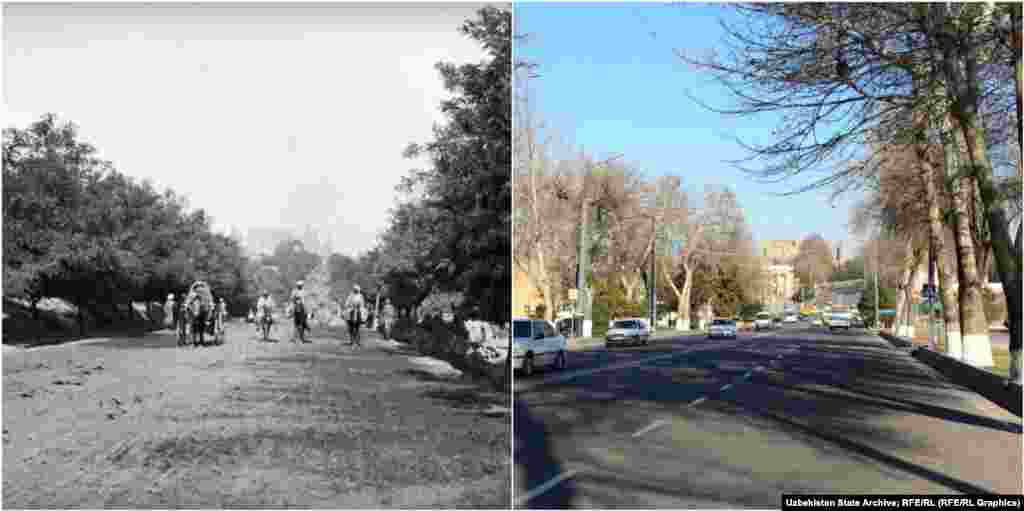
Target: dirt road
[138,422]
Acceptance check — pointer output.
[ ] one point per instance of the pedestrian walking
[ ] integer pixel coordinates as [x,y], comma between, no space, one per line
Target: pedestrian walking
[387,316]
[169,311]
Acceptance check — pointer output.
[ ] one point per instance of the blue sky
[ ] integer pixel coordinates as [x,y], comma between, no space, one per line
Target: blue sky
[611,83]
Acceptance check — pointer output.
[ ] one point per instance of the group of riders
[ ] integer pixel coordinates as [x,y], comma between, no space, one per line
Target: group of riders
[198,314]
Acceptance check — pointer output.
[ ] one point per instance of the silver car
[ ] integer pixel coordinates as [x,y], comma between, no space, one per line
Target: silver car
[724,328]
[629,331]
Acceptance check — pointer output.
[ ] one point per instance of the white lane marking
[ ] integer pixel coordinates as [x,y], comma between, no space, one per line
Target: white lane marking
[551,483]
[726,387]
[747,376]
[698,401]
[654,425]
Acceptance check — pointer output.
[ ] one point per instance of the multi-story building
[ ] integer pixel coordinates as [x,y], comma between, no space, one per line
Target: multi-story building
[525,296]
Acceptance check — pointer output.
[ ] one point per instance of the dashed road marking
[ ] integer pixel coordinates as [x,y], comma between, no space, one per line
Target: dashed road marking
[549,484]
[698,401]
[726,387]
[651,427]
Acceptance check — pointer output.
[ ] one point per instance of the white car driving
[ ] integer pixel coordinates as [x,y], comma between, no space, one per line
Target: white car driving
[763,321]
[725,328]
[631,331]
[536,343]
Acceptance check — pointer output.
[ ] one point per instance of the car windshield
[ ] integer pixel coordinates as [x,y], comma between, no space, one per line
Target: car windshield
[628,325]
[723,322]
[521,329]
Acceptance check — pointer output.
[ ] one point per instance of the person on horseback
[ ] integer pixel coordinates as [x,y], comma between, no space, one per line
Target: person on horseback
[264,313]
[298,307]
[354,312]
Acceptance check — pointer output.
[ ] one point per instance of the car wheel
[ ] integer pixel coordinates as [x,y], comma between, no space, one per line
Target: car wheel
[560,361]
[528,368]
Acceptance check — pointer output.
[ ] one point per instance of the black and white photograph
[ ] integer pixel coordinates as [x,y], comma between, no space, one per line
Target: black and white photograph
[257,255]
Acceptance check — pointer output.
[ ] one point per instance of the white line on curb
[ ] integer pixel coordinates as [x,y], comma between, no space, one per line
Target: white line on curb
[551,483]
[654,425]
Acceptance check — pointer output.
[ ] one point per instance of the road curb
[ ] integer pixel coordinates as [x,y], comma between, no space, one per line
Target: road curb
[993,387]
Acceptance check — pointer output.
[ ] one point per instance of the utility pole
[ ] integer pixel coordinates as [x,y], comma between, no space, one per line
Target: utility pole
[584,263]
[654,275]
[878,321]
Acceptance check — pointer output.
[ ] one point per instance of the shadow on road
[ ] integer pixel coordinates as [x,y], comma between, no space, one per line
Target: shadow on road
[537,464]
[859,401]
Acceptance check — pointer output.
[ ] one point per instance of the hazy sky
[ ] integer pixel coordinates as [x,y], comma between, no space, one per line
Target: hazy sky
[265,115]
[610,81]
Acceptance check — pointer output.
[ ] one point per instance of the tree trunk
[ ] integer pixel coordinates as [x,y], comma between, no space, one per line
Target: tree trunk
[901,297]
[973,327]
[959,65]
[930,177]
[682,296]
[906,328]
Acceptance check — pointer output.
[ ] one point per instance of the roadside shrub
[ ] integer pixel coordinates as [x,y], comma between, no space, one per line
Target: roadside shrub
[404,330]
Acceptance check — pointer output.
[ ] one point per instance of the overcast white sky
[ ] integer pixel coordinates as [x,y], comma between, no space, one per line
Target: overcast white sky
[265,115]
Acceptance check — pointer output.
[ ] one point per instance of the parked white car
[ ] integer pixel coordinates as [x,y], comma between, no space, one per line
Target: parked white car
[763,321]
[628,331]
[725,328]
[839,320]
[535,344]
[790,318]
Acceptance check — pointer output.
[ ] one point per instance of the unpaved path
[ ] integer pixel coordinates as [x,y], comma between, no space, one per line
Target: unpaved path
[138,422]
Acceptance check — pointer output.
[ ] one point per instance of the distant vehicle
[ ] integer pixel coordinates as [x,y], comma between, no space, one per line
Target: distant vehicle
[790,318]
[763,320]
[839,320]
[630,331]
[725,328]
[535,343]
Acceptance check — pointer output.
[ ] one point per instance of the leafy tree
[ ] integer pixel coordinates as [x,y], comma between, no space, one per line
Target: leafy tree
[468,187]
[866,306]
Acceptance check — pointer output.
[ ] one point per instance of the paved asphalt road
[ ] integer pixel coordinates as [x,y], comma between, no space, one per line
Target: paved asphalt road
[689,422]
